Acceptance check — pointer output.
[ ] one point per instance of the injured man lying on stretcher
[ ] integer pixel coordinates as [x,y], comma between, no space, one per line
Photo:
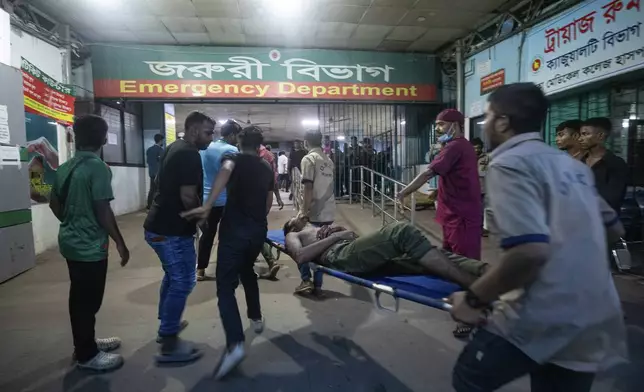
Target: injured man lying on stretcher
[397,247]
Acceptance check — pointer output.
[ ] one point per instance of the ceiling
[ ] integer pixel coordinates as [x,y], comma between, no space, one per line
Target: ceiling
[279,122]
[282,122]
[387,25]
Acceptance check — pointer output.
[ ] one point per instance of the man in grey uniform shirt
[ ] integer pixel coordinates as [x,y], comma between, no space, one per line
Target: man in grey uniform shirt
[557,315]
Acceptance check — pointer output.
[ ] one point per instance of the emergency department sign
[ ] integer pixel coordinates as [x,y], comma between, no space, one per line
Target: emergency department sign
[261,73]
[588,43]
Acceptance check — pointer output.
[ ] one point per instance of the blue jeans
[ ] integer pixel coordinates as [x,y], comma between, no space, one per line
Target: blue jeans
[236,255]
[305,268]
[178,259]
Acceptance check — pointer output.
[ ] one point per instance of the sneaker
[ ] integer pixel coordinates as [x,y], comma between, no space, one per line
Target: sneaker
[258,325]
[104,345]
[102,362]
[182,326]
[230,360]
[306,287]
[201,275]
[271,274]
[108,344]
[174,349]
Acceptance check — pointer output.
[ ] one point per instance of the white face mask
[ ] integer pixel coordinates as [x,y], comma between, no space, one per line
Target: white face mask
[447,136]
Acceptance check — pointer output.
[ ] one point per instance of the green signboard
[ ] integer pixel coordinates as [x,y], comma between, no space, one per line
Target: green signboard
[175,72]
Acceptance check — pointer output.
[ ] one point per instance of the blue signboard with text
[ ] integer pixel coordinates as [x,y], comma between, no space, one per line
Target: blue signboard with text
[593,41]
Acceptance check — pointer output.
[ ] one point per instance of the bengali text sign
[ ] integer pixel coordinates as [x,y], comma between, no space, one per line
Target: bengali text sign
[599,39]
[45,96]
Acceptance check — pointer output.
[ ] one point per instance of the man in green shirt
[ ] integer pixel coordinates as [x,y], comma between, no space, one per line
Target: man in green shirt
[80,199]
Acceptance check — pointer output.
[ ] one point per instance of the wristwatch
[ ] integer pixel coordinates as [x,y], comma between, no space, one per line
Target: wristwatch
[473,301]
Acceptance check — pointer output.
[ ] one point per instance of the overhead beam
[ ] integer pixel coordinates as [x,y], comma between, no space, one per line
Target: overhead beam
[526,13]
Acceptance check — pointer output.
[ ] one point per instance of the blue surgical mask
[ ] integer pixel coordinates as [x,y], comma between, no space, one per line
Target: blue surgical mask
[447,136]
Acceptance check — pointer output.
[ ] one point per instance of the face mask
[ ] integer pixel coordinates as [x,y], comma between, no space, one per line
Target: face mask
[447,136]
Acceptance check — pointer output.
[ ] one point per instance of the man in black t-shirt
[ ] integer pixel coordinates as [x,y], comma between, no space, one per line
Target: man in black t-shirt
[250,182]
[179,184]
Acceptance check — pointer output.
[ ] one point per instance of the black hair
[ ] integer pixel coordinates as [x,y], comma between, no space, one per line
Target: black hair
[477,142]
[281,153]
[574,125]
[313,137]
[230,127]
[158,137]
[287,228]
[251,137]
[524,104]
[197,118]
[90,132]
[602,123]
[268,147]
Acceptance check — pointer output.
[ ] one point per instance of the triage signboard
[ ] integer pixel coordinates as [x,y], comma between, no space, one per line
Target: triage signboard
[588,43]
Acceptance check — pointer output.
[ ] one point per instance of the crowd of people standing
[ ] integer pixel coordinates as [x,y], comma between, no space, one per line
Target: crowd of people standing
[552,310]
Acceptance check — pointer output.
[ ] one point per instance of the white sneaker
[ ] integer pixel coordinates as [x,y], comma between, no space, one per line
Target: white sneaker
[258,325]
[102,362]
[230,360]
[108,344]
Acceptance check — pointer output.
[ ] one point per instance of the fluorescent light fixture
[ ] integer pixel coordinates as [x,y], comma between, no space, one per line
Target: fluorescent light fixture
[283,8]
[339,137]
[481,122]
[403,122]
[632,117]
[311,123]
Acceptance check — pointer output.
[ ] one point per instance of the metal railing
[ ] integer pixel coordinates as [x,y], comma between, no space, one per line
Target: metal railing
[374,189]
[380,191]
[296,188]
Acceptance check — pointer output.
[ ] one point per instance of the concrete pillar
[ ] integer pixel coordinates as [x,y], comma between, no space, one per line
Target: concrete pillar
[64,133]
[460,78]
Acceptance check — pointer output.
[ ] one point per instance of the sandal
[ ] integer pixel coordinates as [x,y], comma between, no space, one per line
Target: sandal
[462,331]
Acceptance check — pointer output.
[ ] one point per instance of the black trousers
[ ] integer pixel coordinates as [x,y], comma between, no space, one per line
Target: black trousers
[488,362]
[151,192]
[236,256]
[85,298]
[208,237]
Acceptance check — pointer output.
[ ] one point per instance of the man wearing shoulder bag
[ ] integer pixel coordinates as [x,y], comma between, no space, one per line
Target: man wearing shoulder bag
[80,199]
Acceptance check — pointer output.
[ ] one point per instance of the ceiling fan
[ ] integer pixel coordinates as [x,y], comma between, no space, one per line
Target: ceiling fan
[335,120]
[248,122]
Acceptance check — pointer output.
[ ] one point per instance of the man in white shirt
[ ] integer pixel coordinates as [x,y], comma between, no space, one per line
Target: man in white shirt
[557,315]
[318,204]
[282,171]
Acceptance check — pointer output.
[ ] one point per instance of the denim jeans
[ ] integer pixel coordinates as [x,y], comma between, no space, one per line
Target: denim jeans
[236,257]
[489,362]
[178,259]
[305,268]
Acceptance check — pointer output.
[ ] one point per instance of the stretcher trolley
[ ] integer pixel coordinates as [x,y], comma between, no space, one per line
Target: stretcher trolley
[632,216]
[425,290]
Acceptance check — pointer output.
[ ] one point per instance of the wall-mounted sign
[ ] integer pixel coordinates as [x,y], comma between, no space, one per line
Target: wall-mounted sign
[45,96]
[224,73]
[5,33]
[170,123]
[589,43]
[484,67]
[492,81]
